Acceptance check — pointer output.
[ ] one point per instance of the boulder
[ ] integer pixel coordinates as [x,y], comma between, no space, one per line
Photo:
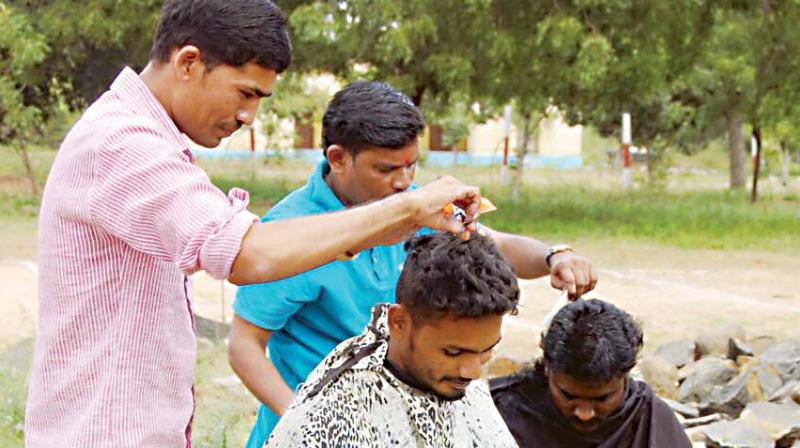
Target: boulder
[737,348]
[679,352]
[735,434]
[502,366]
[732,398]
[662,376]
[759,343]
[684,410]
[715,341]
[779,421]
[702,375]
[785,357]
[788,393]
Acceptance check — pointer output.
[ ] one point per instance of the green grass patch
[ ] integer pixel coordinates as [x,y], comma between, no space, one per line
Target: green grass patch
[705,220]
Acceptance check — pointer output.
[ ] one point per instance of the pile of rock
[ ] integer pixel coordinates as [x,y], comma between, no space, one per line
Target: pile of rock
[730,391]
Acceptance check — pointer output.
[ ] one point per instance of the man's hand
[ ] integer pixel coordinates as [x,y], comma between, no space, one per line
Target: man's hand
[430,201]
[572,272]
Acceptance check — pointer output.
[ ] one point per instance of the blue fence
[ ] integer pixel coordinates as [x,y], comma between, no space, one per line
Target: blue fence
[433,158]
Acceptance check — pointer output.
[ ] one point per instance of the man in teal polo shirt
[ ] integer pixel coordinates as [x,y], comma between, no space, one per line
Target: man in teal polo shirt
[370,133]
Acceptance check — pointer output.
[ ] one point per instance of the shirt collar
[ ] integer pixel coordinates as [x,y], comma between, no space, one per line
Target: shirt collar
[130,88]
[321,192]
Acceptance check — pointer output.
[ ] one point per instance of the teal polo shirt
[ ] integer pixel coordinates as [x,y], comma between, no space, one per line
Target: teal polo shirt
[310,313]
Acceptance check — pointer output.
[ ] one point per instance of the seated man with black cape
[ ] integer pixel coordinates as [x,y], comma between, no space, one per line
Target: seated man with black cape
[579,394]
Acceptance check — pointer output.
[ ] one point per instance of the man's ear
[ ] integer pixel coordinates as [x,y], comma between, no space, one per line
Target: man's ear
[338,158]
[399,321]
[186,62]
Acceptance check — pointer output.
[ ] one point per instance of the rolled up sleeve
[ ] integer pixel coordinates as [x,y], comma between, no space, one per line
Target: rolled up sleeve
[152,197]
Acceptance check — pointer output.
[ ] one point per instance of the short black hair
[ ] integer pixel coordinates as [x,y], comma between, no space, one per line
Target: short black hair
[446,276]
[592,341]
[232,32]
[370,113]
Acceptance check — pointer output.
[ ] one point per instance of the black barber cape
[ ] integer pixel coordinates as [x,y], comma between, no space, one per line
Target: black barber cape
[643,420]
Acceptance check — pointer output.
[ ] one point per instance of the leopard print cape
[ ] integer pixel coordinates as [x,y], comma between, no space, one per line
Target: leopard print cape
[352,400]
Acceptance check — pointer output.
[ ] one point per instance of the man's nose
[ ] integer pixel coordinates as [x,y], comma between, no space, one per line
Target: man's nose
[403,180]
[584,412]
[247,114]
[471,369]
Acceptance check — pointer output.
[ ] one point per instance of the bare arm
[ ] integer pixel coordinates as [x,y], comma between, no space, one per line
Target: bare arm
[246,354]
[527,257]
[279,249]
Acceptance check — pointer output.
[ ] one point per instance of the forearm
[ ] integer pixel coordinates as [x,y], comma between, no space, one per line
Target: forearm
[279,249]
[525,255]
[261,377]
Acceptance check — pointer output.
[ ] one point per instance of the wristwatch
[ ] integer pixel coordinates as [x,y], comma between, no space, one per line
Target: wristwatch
[556,249]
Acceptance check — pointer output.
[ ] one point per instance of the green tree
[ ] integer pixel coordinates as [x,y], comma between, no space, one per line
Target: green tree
[20,118]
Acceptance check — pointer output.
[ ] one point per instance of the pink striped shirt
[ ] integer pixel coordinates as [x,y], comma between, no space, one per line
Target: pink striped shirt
[126,217]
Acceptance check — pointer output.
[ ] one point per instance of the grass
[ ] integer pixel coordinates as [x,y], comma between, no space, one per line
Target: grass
[586,205]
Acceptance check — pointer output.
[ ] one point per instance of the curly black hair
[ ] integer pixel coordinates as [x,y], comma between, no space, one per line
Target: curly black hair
[592,341]
[232,32]
[446,276]
[370,113]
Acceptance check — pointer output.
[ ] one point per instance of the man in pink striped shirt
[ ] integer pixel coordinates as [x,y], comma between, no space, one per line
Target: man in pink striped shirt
[127,216]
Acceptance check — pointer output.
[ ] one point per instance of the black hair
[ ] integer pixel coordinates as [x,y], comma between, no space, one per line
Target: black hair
[232,32]
[592,341]
[446,276]
[370,113]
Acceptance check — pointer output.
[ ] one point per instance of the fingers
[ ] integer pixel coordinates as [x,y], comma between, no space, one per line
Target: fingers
[563,278]
[575,274]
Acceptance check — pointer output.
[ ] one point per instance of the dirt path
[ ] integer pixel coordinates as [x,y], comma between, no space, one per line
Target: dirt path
[675,293]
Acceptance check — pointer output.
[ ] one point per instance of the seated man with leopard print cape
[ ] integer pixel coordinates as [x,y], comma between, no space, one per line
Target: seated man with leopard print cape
[412,379]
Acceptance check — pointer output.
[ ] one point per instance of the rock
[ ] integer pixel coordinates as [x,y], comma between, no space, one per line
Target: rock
[735,434]
[732,398]
[684,410]
[715,341]
[661,375]
[759,343]
[705,420]
[787,393]
[210,328]
[779,421]
[768,378]
[737,348]
[502,365]
[785,356]
[679,352]
[702,375]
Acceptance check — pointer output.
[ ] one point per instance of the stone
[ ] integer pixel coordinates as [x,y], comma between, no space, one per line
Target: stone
[779,421]
[759,343]
[737,348]
[210,328]
[705,420]
[785,356]
[732,398]
[679,352]
[503,365]
[768,378]
[702,375]
[735,434]
[682,409]
[715,341]
[786,393]
[660,374]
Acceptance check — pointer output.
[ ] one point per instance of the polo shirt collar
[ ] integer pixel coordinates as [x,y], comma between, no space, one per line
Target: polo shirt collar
[321,193]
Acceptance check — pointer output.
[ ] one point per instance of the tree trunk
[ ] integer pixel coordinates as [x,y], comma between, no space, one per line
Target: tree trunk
[736,153]
[521,152]
[756,163]
[22,150]
[786,161]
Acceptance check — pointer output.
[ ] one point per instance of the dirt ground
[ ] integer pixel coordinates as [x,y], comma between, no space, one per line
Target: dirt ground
[675,293]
